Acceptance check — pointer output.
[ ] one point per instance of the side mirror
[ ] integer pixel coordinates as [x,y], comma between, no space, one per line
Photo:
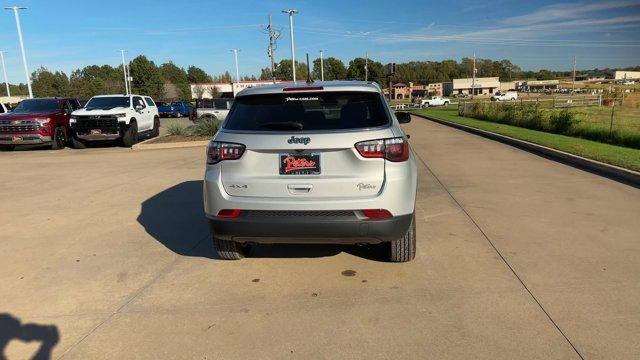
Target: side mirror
[138,107]
[403,117]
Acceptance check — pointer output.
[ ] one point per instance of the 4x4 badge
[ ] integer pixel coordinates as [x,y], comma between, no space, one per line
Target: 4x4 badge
[299,140]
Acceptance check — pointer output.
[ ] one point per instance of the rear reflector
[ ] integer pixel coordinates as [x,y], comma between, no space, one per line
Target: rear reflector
[303,88]
[376,213]
[229,213]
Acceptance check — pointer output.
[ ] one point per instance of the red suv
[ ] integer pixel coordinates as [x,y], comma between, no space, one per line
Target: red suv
[40,121]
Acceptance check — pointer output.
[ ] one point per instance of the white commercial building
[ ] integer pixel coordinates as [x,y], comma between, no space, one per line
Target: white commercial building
[204,91]
[479,86]
[627,75]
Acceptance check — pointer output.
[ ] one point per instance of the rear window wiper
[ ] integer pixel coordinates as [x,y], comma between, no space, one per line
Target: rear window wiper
[282,125]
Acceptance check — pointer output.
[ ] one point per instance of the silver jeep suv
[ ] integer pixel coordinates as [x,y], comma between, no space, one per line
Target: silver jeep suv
[325,162]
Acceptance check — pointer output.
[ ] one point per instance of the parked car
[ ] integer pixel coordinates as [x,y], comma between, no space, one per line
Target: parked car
[212,107]
[435,101]
[115,117]
[39,121]
[509,95]
[298,163]
[175,109]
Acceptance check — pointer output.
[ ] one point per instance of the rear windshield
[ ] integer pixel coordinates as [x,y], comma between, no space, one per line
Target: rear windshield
[307,111]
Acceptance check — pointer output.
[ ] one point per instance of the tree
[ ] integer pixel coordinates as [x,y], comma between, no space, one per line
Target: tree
[284,70]
[213,91]
[222,78]
[334,69]
[147,79]
[199,91]
[46,83]
[356,71]
[178,78]
[195,75]
[265,73]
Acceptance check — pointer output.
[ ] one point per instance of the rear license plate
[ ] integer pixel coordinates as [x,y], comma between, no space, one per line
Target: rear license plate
[16,138]
[96,131]
[300,164]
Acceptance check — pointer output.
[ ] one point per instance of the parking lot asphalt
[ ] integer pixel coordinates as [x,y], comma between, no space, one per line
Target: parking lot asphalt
[105,253]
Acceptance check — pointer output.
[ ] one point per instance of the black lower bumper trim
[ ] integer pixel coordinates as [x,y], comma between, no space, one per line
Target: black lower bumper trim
[316,230]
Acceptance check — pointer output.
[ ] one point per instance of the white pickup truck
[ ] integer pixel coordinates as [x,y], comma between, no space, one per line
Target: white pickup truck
[115,117]
[510,95]
[435,101]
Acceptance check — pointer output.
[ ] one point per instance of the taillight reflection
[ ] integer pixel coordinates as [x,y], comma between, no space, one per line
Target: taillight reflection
[220,151]
[392,149]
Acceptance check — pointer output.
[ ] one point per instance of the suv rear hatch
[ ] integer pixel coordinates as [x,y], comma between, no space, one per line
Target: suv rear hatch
[302,145]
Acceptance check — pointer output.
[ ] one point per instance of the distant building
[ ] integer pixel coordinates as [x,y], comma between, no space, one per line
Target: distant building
[530,85]
[203,91]
[509,85]
[627,75]
[401,91]
[12,99]
[435,89]
[481,86]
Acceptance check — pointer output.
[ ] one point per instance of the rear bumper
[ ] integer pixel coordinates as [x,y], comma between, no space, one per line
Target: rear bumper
[310,230]
[27,139]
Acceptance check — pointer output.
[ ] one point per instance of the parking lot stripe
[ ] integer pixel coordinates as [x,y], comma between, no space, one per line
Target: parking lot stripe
[504,260]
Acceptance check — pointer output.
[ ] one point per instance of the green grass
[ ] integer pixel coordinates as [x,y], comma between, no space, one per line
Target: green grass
[610,154]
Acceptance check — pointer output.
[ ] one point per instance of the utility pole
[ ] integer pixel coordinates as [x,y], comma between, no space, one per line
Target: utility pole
[24,56]
[321,66]
[473,82]
[273,36]
[4,70]
[366,66]
[573,84]
[124,72]
[235,54]
[291,12]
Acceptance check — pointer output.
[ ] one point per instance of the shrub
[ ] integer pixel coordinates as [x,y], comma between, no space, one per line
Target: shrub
[177,129]
[562,121]
[206,126]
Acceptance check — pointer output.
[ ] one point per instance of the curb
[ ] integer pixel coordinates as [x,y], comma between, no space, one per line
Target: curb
[613,172]
[170,145]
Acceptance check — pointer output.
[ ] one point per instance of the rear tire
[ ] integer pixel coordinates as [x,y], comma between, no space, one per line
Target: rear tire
[404,249]
[59,138]
[130,136]
[229,250]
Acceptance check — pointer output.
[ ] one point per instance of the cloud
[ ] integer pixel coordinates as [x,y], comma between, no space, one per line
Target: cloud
[564,11]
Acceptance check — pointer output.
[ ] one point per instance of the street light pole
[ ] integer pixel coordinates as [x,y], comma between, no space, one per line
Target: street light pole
[24,56]
[4,70]
[124,71]
[291,12]
[321,66]
[235,54]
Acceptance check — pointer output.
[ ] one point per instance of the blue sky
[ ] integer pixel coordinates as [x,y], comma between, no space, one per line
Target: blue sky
[64,35]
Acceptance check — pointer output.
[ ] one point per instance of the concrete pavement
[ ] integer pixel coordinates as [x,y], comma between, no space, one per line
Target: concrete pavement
[105,252]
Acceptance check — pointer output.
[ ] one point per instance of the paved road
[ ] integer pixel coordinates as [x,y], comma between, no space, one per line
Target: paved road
[518,257]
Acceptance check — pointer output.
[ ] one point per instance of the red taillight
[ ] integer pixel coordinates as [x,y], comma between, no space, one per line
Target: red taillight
[376,213]
[392,149]
[229,213]
[219,151]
